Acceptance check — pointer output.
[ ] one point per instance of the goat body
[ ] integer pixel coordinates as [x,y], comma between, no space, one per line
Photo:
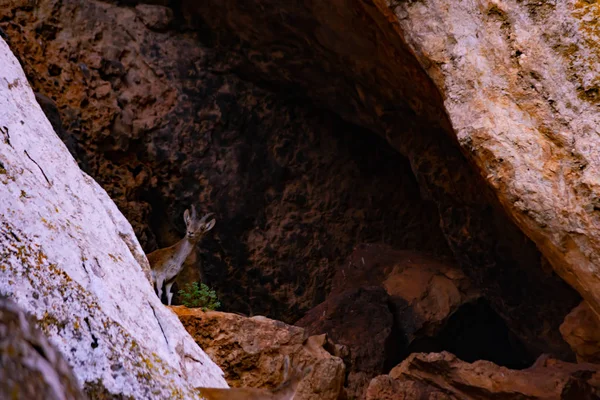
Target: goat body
[167,263]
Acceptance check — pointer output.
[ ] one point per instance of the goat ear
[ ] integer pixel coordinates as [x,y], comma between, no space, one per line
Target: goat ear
[186,217]
[209,225]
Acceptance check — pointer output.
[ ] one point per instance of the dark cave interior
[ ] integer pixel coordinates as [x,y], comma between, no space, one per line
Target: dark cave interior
[476,332]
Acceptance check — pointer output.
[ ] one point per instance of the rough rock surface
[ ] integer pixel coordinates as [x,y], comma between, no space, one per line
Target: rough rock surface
[70,259]
[520,83]
[432,305]
[121,84]
[251,351]
[424,290]
[350,56]
[161,120]
[581,330]
[362,321]
[442,376]
[30,366]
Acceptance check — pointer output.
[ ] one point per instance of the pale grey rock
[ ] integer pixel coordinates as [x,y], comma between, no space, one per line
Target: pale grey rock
[69,258]
[521,86]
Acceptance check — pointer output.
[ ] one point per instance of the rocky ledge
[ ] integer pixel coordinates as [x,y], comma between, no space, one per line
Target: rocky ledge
[444,377]
[251,352]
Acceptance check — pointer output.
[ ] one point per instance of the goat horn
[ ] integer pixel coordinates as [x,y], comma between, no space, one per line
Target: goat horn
[206,217]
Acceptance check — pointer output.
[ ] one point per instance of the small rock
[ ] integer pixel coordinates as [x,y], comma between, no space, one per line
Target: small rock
[103,90]
[581,329]
[409,293]
[154,17]
[425,290]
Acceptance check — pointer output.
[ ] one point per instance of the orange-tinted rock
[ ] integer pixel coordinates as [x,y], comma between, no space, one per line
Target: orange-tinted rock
[384,387]
[424,290]
[251,352]
[381,300]
[442,376]
[581,330]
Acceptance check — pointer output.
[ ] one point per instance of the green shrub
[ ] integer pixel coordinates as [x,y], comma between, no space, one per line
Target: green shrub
[194,296]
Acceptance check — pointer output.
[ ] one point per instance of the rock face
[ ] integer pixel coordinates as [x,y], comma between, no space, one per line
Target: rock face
[381,301]
[70,259]
[251,351]
[581,330]
[161,120]
[424,290]
[444,377]
[520,85]
[30,366]
[350,56]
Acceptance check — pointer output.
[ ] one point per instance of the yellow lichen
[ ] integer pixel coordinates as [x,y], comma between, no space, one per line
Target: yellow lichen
[47,321]
[148,363]
[48,224]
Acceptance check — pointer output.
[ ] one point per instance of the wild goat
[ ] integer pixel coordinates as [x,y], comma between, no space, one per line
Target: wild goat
[285,391]
[167,263]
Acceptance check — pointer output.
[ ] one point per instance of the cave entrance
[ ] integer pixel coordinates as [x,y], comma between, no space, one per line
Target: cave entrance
[477,332]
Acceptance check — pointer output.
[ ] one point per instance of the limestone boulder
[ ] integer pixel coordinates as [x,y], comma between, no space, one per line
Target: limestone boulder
[519,82]
[70,259]
[442,376]
[381,301]
[581,330]
[251,352]
[424,290]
